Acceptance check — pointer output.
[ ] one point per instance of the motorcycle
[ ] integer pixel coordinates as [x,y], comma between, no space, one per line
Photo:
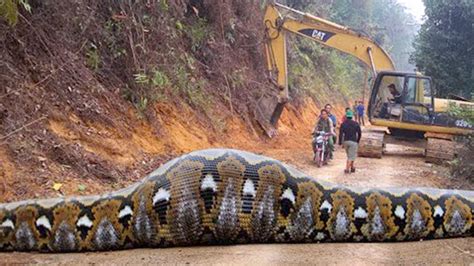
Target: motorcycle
[321,148]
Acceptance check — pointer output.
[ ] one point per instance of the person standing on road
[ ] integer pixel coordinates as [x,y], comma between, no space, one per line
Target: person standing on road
[333,118]
[360,113]
[349,135]
[354,110]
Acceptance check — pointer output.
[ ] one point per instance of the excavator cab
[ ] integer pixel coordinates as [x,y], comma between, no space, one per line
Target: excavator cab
[402,97]
[405,103]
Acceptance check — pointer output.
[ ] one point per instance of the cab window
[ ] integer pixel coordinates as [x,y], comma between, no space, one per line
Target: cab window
[410,94]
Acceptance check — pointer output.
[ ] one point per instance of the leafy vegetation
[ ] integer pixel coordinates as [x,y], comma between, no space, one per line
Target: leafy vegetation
[463,112]
[93,58]
[462,166]
[445,46]
[198,33]
[9,10]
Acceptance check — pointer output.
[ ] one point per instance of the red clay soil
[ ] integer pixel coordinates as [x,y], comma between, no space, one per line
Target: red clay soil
[132,149]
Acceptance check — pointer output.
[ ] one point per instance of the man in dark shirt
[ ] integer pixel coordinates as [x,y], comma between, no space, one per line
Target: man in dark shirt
[397,97]
[391,102]
[349,135]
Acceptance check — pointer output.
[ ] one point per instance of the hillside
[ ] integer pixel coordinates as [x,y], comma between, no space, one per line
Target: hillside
[95,95]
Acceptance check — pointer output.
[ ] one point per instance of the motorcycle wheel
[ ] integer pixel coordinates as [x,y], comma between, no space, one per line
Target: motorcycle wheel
[319,162]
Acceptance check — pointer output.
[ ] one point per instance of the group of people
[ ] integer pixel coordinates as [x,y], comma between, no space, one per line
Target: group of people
[349,131]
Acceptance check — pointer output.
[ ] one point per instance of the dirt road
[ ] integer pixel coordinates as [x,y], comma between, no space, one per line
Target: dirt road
[400,167]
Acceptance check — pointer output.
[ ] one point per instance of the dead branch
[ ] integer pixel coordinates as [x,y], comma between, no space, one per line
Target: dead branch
[21,128]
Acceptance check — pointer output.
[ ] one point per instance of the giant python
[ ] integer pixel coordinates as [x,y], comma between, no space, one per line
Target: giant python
[221,196]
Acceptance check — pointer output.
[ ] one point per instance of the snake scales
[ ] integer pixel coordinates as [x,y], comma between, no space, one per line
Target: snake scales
[223,196]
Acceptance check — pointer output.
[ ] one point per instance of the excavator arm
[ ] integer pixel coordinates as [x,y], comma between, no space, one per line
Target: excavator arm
[317,29]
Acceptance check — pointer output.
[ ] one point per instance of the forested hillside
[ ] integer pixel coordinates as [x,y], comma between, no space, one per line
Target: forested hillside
[97,93]
[445,46]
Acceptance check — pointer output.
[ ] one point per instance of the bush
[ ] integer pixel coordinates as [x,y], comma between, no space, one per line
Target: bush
[9,10]
[463,166]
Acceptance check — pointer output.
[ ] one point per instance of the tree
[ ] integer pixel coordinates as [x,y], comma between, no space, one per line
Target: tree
[444,48]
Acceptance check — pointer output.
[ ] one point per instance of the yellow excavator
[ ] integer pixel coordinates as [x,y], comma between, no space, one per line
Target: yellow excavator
[401,104]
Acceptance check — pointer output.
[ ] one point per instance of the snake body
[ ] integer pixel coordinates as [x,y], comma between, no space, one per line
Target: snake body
[221,196]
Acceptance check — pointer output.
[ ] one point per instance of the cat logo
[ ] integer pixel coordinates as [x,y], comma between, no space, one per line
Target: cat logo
[319,35]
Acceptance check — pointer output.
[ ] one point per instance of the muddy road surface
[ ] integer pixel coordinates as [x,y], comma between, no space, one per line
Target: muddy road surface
[399,167]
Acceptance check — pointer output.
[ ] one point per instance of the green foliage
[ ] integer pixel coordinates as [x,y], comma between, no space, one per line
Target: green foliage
[93,58]
[112,29]
[197,94]
[237,79]
[179,25]
[194,90]
[152,88]
[198,32]
[164,5]
[462,166]
[181,79]
[152,82]
[323,73]
[9,10]
[463,112]
[445,46]
[142,104]
[159,78]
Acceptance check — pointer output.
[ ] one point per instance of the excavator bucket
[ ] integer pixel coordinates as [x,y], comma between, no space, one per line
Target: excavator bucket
[268,112]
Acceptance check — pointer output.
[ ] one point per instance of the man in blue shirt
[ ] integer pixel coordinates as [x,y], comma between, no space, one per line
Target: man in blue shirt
[360,113]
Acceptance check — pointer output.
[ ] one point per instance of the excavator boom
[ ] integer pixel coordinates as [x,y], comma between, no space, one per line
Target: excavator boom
[317,29]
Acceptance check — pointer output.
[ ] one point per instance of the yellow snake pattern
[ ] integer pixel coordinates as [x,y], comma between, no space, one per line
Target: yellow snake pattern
[222,196]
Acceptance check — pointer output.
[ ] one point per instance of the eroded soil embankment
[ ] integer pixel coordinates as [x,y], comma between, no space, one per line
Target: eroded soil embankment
[88,157]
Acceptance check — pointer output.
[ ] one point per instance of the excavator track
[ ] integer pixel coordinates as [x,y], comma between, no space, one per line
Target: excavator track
[440,150]
[371,144]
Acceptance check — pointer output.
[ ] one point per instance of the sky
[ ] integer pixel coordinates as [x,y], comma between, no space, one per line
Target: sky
[416,7]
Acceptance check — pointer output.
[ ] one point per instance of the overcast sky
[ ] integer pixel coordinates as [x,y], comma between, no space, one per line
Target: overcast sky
[416,7]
